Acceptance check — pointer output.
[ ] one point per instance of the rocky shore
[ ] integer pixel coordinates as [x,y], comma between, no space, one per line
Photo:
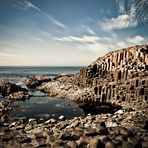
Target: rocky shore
[125,129]
[119,79]
[13,91]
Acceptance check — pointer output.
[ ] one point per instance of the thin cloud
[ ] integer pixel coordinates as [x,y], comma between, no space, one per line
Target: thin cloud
[55,21]
[38,39]
[78,39]
[5,54]
[89,30]
[137,39]
[25,5]
[44,33]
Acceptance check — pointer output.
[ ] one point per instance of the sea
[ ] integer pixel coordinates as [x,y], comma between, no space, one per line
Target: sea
[40,106]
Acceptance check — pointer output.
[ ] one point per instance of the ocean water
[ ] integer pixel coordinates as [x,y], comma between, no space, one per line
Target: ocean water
[17,74]
[40,105]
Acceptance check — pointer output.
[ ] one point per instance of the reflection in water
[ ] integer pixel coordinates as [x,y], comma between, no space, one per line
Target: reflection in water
[45,107]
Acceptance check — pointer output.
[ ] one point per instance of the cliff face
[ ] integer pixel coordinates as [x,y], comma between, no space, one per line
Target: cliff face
[120,75]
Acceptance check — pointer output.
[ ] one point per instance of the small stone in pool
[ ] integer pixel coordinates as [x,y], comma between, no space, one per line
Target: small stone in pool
[62,117]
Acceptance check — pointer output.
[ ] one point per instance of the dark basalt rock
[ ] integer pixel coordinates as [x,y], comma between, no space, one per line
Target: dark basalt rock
[12,91]
[36,80]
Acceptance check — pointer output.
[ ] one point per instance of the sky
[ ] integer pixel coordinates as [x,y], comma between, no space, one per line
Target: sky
[68,32]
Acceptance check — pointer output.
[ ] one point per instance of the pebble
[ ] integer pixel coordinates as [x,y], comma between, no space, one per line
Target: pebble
[62,118]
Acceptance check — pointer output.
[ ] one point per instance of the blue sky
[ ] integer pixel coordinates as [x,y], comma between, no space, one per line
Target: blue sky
[68,32]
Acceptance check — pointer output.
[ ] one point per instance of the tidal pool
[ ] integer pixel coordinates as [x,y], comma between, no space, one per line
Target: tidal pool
[45,107]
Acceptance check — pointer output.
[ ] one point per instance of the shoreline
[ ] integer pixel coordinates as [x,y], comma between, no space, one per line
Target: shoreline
[118,79]
[123,128]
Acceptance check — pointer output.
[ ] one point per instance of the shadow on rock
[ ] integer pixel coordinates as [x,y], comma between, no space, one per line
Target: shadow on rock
[99,108]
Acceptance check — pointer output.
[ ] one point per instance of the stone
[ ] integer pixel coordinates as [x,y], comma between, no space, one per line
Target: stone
[146,125]
[104,139]
[145,145]
[125,144]
[72,144]
[90,132]
[62,117]
[95,143]
[110,145]
[102,130]
[32,120]
[111,124]
[26,145]
[36,80]
[126,132]
[133,141]
[84,140]
[13,91]
[6,137]
[146,138]
[120,112]
[5,106]
[41,142]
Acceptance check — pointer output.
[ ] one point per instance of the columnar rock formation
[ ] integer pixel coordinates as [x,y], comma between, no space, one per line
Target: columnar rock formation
[120,75]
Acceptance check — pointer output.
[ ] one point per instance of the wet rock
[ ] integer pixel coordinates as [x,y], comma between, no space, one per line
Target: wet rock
[4,118]
[20,95]
[13,91]
[36,80]
[120,112]
[5,106]
[62,118]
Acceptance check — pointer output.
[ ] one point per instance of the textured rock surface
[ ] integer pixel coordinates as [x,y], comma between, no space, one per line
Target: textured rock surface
[36,80]
[13,91]
[120,76]
[85,132]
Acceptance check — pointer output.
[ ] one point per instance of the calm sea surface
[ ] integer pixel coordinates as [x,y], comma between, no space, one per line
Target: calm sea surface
[40,105]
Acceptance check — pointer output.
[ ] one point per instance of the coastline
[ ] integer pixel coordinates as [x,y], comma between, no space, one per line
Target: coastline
[124,127]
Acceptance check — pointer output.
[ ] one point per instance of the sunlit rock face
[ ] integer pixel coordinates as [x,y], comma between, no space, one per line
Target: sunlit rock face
[120,76]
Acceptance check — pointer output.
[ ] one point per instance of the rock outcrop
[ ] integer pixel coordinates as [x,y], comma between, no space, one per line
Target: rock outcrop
[13,91]
[120,76]
[36,80]
[122,129]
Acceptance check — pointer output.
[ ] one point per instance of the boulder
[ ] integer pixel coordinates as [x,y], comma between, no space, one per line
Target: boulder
[12,91]
[36,80]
